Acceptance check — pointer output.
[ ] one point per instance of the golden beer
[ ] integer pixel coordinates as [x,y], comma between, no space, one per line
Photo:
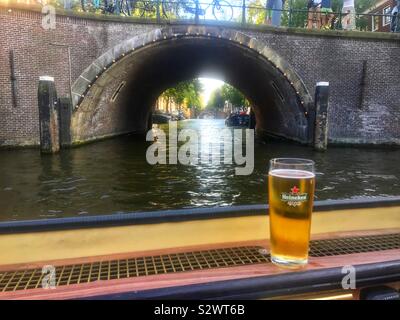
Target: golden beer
[291,194]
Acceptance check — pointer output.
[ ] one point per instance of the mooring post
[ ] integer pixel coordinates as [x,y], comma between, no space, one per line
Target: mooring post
[321,115]
[48,116]
[64,119]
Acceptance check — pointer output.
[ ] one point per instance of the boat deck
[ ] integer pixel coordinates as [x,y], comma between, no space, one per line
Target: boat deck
[198,254]
[136,276]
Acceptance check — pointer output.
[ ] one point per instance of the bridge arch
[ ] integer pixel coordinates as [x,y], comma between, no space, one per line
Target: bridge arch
[116,92]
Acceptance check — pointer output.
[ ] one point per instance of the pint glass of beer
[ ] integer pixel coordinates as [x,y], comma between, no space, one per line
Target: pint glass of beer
[291,184]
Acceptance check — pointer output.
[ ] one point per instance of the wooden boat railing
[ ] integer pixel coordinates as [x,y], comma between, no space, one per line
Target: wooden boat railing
[176,215]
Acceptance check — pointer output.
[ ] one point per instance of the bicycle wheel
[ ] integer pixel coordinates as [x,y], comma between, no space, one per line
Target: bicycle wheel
[222,10]
[185,9]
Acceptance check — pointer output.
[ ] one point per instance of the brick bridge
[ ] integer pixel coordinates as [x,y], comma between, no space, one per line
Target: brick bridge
[110,71]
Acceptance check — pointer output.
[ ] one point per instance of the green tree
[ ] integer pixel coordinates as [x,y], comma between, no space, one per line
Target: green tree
[185,94]
[256,12]
[361,6]
[298,17]
[216,101]
[193,94]
[226,93]
[233,96]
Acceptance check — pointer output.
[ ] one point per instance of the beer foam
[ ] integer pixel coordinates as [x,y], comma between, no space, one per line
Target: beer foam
[291,174]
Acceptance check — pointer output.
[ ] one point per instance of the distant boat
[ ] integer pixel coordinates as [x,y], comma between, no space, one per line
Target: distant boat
[238,120]
[160,118]
[206,115]
[177,116]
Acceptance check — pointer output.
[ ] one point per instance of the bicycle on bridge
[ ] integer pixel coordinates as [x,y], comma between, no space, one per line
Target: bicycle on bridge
[141,8]
[188,9]
[185,9]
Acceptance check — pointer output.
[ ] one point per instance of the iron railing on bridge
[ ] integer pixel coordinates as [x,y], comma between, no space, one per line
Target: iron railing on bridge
[295,13]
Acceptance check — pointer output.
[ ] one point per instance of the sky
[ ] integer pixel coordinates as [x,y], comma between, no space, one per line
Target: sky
[209,85]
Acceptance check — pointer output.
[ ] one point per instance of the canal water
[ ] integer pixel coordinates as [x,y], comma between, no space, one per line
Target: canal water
[113,176]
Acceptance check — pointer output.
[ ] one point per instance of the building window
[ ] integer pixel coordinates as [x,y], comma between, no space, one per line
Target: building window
[375,23]
[386,18]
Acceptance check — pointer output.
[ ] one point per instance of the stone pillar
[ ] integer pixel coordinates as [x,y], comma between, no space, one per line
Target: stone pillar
[321,116]
[48,116]
[65,114]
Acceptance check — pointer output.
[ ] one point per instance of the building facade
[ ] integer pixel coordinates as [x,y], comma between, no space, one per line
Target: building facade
[379,16]
[168,105]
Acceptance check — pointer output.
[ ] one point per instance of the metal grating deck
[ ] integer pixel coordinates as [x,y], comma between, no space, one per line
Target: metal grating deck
[340,246]
[187,261]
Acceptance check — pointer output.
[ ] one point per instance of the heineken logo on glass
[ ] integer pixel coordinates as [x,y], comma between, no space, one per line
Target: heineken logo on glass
[294,198]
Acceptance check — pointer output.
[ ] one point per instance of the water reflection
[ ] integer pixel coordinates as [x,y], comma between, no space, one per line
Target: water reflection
[113,176]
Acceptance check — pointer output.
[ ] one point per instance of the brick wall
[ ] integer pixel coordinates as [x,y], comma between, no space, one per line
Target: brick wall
[370,115]
[46,52]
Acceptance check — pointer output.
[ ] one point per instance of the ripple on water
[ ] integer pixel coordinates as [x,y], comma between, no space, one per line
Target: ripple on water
[64,189]
[113,176]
